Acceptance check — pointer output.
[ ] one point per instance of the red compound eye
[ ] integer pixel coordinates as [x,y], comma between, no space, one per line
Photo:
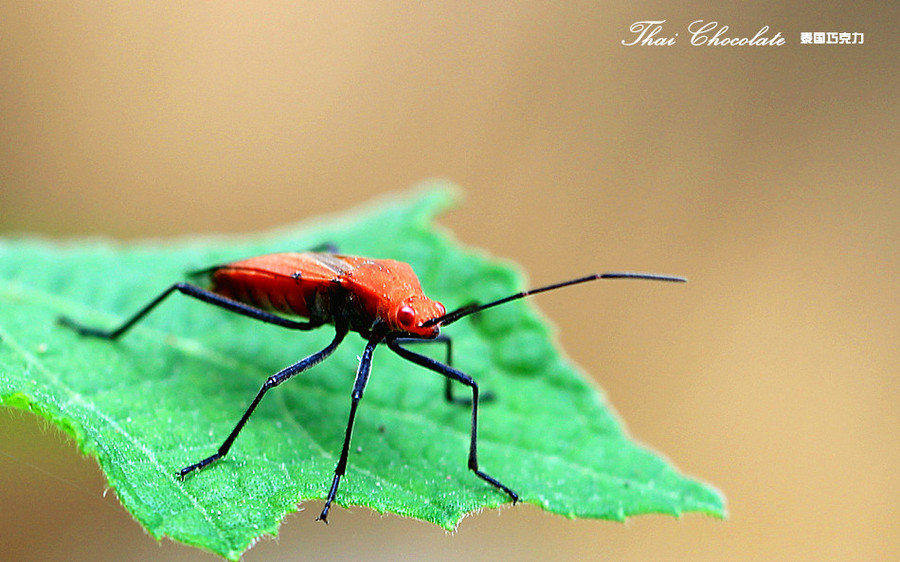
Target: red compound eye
[406,316]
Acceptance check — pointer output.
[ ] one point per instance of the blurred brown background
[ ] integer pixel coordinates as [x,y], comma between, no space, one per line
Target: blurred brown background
[768,176]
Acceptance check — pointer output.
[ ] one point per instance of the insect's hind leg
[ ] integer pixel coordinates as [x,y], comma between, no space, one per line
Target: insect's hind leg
[448,383]
[191,291]
[451,373]
[325,247]
[271,382]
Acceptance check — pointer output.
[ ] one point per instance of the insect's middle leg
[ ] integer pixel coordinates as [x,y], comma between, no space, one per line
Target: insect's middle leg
[271,382]
[465,379]
[359,386]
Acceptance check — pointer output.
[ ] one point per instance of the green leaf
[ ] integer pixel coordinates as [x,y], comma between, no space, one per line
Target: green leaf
[168,392]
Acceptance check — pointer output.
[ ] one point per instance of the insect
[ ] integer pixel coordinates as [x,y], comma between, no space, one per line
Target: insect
[380,299]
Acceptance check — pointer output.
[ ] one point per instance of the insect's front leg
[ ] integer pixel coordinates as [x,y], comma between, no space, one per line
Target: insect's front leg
[448,383]
[453,374]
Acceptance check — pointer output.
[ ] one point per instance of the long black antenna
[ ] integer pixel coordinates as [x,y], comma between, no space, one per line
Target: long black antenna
[455,315]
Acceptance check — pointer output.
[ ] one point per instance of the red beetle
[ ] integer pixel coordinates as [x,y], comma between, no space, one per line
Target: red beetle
[381,300]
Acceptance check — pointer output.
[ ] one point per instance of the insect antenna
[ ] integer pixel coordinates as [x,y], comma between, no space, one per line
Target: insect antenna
[455,315]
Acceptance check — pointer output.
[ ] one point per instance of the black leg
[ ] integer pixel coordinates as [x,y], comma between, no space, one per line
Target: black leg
[362,377]
[465,379]
[198,293]
[271,382]
[442,338]
[448,386]
[448,383]
[326,247]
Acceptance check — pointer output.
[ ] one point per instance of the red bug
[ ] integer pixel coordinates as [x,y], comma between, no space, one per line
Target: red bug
[381,300]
